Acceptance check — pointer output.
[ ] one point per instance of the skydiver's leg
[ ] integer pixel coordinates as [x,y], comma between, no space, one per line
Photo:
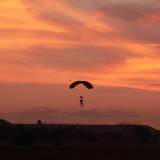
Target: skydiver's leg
[81,103]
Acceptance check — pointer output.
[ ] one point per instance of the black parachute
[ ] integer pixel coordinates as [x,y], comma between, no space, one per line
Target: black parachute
[85,83]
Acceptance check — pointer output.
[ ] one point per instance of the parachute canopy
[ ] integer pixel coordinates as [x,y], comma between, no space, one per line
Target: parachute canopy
[85,83]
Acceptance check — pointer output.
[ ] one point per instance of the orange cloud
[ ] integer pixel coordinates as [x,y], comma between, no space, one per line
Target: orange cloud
[103,42]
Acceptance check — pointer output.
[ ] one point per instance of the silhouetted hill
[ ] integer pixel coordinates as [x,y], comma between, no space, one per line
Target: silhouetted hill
[101,135]
[46,141]
[4,123]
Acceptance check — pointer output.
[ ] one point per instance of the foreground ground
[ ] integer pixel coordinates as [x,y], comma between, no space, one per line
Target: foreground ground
[46,153]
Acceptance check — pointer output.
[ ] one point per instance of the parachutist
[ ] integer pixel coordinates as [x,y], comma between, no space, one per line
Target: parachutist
[81,101]
[86,84]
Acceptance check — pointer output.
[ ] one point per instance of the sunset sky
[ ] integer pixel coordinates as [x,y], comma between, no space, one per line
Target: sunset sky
[46,44]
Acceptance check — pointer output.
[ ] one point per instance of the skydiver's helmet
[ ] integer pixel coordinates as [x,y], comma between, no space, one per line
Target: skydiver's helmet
[81,97]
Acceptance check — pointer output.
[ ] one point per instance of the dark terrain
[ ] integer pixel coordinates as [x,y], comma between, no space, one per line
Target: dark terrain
[53,141]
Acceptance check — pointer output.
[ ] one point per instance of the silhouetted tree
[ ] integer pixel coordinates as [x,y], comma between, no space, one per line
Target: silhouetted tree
[39,122]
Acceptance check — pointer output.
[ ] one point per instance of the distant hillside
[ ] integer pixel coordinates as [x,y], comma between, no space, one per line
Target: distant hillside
[83,135]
